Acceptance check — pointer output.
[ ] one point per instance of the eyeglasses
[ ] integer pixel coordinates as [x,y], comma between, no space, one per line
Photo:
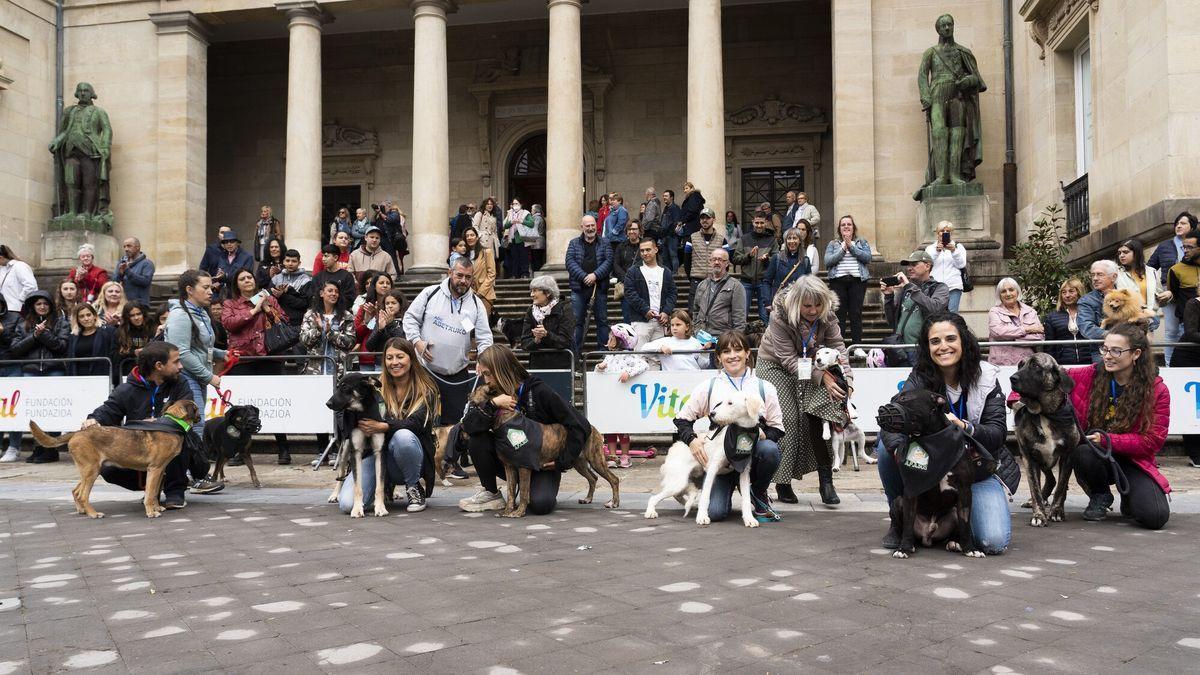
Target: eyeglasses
[1115,352]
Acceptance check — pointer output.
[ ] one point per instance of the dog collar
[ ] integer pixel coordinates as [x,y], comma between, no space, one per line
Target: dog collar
[184,424]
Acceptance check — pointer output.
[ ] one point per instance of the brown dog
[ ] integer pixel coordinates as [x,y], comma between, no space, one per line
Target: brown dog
[148,451]
[1122,306]
[589,463]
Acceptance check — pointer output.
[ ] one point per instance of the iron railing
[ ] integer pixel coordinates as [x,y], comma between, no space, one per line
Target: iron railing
[1075,198]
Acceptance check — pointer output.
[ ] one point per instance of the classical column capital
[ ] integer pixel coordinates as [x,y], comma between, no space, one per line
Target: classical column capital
[170,23]
[434,7]
[305,11]
[577,3]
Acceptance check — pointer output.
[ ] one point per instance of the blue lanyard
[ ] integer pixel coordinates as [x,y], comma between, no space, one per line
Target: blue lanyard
[804,345]
[520,395]
[740,382]
[1112,390]
[960,408]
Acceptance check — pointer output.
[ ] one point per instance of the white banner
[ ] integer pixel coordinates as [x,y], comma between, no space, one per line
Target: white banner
[287,404]
[55,403]
[647,403]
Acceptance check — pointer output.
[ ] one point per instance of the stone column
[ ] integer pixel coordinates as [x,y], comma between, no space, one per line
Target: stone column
[854,118]
[428,232]
[302,169]
[177,234]
[564,131]
[706,103]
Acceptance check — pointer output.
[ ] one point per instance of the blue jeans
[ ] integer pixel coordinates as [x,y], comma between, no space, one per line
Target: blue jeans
[198,395]
[1172,329]
[404,458]
[762,290]
[762,469]
[991,522]
[955,298]
[626,310]
[671,251]
[579,303]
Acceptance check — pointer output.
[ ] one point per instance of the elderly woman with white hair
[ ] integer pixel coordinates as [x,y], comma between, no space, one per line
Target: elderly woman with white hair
[1090,312]
[549,327]
[89,277]
[803,320]
[1011,320]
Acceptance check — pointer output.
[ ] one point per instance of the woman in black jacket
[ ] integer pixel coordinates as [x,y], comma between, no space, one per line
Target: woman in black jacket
[42,334]
[90,339]
[1061,325]
[388,323]
[411,405]
[689,219]
[549,326]
[949,363]
[511,387]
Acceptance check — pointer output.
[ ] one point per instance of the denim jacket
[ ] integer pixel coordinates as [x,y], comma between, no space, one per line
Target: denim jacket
[861,251]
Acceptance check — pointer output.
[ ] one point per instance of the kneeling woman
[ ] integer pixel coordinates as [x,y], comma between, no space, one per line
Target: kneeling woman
[733,352]
[949,363]
[411,404]
[1123,395]
[511,387]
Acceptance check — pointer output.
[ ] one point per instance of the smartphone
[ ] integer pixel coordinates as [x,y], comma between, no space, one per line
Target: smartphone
[945,239]
[891,281]
[258,297]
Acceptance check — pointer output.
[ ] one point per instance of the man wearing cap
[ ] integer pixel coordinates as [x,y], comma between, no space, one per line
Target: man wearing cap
[231,259]
[906,304]
[703,242]
[371,257]
[753,253]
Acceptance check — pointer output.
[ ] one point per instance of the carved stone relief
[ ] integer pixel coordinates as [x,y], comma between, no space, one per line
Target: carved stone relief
[1049,20]
[348,153]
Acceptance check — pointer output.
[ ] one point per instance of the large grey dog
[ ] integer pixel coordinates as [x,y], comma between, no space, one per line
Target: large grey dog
[1047,433]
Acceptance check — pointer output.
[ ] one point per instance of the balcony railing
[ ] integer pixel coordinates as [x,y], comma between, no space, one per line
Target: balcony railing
[1075,198]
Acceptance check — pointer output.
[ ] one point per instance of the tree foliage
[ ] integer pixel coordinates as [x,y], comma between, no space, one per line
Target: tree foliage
[1039,263]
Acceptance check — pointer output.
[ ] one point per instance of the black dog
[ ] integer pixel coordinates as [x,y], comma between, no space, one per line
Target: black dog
[1047,433]
[938,472]
[357,397]
[229,436]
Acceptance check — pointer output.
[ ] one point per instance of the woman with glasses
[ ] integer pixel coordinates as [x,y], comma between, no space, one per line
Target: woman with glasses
[625,256]
[1123,396]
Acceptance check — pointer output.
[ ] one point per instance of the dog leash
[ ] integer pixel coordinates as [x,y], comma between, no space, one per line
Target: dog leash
[1105,453]
[226,396]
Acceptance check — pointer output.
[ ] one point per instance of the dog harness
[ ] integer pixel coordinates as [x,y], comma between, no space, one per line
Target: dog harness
[926,459]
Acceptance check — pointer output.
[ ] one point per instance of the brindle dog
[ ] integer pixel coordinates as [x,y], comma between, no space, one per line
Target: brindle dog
[148,451]
[1047,433]
[554,439]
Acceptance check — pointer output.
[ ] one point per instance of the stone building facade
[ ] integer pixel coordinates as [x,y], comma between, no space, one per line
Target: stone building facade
[221,106]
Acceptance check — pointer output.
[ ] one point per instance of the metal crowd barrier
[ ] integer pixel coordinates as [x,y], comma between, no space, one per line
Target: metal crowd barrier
[1022,343]
[74,359]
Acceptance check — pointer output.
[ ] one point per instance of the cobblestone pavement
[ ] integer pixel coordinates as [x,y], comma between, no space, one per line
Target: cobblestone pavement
[271,580]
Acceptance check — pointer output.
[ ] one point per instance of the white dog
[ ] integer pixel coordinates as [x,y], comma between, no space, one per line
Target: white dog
[826,360]
[681,470]
[853,439]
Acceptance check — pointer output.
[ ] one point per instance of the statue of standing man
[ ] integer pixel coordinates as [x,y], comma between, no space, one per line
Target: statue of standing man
[949,83]
[82,152]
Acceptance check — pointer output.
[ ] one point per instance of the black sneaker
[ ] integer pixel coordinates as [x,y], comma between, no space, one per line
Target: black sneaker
[1098,506]
[456,472]
[1194,463]
[416,499]
[205,486]
[174,502]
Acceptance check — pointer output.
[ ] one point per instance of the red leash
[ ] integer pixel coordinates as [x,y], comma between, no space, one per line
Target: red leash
[231,360]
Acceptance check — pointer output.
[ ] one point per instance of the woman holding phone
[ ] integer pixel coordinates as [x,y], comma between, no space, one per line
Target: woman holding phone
[949,261]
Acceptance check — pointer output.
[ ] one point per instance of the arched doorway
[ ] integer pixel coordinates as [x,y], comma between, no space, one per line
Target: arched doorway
[527,172]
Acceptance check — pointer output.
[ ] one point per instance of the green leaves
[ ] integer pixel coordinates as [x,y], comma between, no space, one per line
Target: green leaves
[1039,263]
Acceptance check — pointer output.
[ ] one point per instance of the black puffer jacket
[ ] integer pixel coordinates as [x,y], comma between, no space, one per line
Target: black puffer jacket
[991,430]
[50,344]
[560,334]
[540,403]
[1058,327]
[138,399]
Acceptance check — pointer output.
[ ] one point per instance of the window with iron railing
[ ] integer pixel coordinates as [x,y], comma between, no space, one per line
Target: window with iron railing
[1075,199]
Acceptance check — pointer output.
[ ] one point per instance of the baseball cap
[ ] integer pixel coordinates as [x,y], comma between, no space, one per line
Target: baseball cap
[371,229]
[707,213]
[919,255]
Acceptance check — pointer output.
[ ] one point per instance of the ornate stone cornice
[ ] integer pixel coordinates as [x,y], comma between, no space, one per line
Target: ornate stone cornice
[171,23]
[772,111]
[305,9]
[1050,20]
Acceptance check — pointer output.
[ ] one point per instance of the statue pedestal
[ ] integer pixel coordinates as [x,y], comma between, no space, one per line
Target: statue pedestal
[966,206]
[59,248]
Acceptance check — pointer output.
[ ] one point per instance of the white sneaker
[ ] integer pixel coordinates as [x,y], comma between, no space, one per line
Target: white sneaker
[482,501]
[11,455]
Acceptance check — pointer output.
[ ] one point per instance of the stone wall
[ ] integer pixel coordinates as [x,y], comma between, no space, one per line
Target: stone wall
[26,123]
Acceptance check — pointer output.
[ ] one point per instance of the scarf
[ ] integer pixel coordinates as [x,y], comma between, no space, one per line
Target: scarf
[540,313]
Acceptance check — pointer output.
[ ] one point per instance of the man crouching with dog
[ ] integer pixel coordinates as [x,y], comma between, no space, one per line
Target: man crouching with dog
[733,354]
[511,387]
[149,389]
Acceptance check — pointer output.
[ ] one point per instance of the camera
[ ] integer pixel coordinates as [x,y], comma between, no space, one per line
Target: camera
[945,239]
[891,281]
[374,207]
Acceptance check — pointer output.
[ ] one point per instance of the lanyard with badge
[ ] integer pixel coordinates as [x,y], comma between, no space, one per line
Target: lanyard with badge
[959,407]
[804,366]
